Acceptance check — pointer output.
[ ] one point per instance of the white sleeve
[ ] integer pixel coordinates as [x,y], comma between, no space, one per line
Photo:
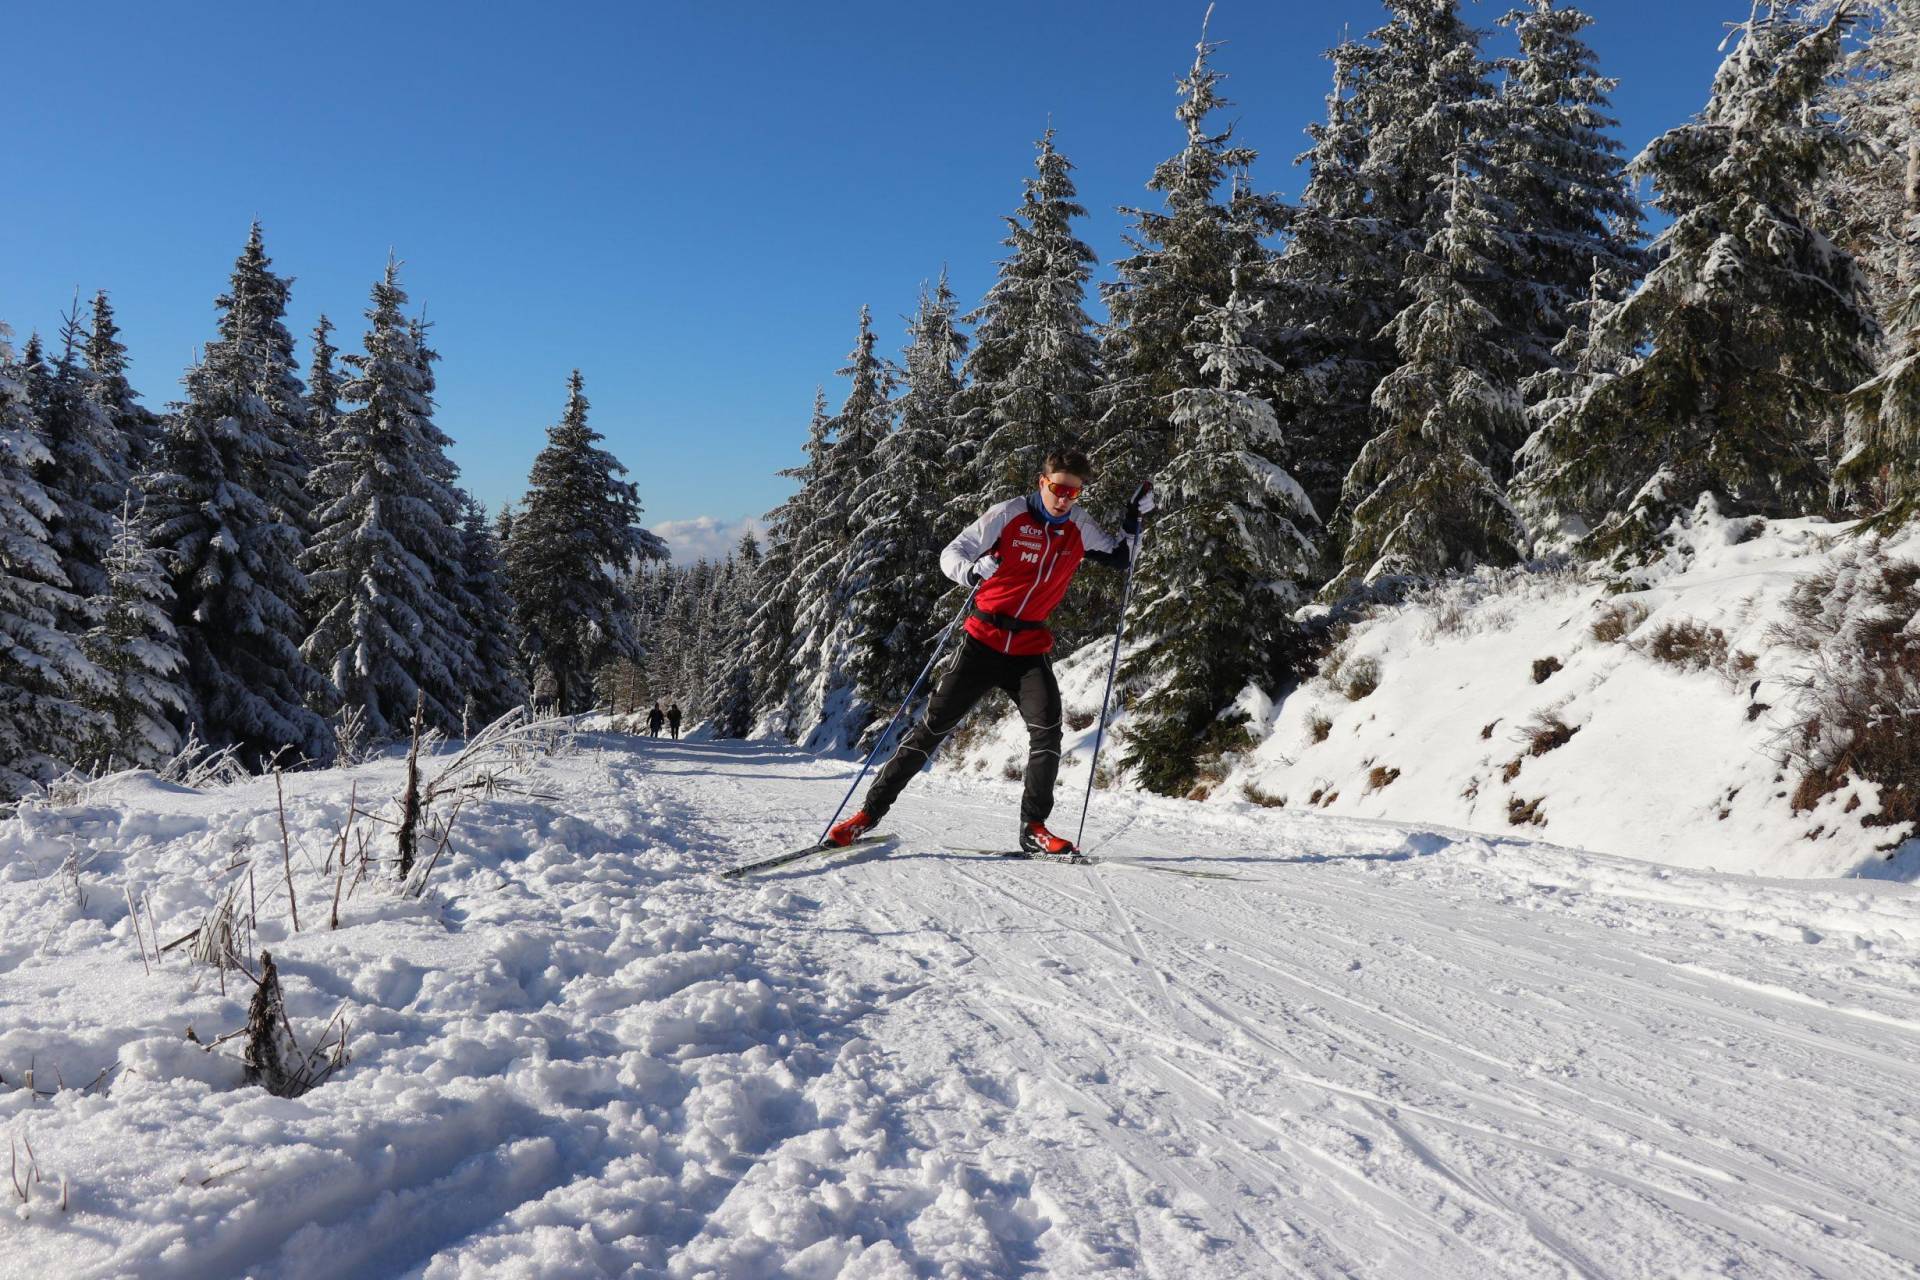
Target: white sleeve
[1092,536]
[975,541]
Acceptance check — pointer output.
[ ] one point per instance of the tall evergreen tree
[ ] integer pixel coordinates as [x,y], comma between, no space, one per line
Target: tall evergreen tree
[253,315]
[498,685]
[1556,168]
[1034,367]
[86,474]
[385,562]
[828,573]
[1335,286]
[135,646]
[1181,268]
[734,707]
[1420,97]
[107,362]
[225,499]
[900,513]
[323,398]
[42,727]
[1228,558]
[1881,199]
[1742,337]
[1424,495]
[769,646]
[1865,199]
[575,533]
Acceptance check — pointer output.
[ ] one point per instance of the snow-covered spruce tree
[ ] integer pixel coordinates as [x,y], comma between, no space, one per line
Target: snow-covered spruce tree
[323,396]
[769,644]
[900,514]
[232,553]
[1717,372]
[575,532]
[1227,561]
[137,425]
[1557,508]
[1181,268]
[1334,287]
[1866,199]
[498,682]
[137,650]
[42,727]
[828,577]
[1882,101]
[1420,96]
[1571,216]
[1423,495]
[254,310]
[733,708]
[384,558]
[86,473]
[1030,378]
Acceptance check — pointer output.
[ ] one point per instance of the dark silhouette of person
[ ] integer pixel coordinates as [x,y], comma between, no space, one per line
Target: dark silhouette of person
[673,720]
[654,717]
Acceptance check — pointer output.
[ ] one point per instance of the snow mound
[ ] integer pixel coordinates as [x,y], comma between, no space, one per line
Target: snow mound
[1654,723]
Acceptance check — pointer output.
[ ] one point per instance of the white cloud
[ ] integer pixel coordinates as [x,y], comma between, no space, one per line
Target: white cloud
[706,537]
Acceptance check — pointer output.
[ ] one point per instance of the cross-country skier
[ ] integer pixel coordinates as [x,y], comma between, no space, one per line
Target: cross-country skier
[1020,555]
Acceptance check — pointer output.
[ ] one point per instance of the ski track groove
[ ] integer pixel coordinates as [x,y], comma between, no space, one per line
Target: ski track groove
[1380,1052]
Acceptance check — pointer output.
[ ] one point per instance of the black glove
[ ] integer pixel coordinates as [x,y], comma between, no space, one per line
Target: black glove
[1142,504]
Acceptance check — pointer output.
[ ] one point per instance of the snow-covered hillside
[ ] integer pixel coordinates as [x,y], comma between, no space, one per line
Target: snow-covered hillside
[1651,724]
[1383,1050]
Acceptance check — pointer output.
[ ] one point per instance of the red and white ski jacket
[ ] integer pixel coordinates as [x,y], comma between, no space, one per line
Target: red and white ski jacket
[1038,556]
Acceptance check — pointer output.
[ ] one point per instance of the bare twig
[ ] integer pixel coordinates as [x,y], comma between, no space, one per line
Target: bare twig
[286,850]
[133,918]
[410,800]
[153,928]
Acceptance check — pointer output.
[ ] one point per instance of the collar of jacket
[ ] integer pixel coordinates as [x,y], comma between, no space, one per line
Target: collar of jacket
[1038,510]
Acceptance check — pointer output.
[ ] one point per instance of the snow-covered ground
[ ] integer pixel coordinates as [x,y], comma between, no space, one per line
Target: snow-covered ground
[1652,723]
[1382,1051]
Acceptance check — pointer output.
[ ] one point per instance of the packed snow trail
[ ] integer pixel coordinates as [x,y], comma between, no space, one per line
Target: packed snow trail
[1382,1052]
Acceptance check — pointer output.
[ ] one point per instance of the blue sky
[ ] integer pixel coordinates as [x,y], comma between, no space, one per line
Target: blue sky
[689,202]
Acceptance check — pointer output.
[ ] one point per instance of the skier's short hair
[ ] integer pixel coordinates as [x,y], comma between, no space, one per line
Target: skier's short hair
[1070,460]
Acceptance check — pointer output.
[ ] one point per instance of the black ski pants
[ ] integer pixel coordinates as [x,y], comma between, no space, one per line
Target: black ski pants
[1027,679]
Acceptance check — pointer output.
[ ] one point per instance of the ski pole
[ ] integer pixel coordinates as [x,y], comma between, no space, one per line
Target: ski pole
[1113,666]
[912,693]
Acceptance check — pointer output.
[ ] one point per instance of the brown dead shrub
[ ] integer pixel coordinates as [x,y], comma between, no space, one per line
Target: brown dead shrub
[1860,682]
[1318,727]
[1689,645]
[1525,813]
[1617,620]
[1548,732]
[1360,678]
[1265,799]
[1544,667]
[1381,776]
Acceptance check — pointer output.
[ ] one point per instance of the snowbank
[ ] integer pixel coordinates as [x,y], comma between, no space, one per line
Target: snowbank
[1651,724]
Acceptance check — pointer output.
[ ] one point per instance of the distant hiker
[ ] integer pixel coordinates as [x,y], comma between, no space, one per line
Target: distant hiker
[1020,556]
[654,717]
[673,720]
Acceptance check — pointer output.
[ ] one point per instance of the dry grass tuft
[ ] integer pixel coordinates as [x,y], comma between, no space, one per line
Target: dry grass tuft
[1617,620]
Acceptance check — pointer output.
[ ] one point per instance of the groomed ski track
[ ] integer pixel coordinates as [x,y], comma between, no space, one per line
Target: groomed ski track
[1386,1051]
[1383,1052]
